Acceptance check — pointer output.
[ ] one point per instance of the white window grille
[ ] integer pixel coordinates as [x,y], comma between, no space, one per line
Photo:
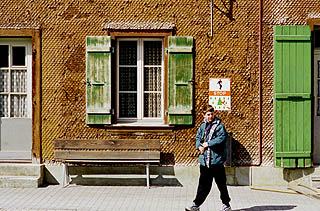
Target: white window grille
[15,78]
[140,79]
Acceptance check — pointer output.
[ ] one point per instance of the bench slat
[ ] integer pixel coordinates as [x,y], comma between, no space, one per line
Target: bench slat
[103,155]
[107,144]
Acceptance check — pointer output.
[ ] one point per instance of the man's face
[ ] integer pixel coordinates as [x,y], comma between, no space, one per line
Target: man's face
[209,116]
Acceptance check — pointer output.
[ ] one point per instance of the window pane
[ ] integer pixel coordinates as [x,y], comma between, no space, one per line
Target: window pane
[152,52]
[317,38]
[152,78]
[318,69]
[128,79]
[4,81]
[152,105]
[4,56]
[128,52]
[318,109]
[18,106]
[4,106]
[128,105]
[18,56]
[18,80]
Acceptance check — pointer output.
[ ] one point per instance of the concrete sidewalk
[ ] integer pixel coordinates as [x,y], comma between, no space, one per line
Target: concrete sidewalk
[119,198]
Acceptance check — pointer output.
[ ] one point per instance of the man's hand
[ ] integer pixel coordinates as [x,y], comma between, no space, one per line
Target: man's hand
[205,144]
[201,149]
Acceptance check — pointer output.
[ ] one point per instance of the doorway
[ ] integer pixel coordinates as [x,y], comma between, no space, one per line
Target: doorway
[316,145]
[15,99]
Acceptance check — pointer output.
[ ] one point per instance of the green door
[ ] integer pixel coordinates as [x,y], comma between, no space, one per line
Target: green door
[292,96]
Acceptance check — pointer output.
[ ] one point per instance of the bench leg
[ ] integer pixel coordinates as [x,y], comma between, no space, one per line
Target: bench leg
[148,175]
[65,175]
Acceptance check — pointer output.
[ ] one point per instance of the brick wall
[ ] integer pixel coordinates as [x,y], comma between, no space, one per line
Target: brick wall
[231,52]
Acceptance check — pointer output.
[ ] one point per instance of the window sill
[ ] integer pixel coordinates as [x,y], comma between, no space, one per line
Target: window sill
[118,125]
[145,123]
[140,128]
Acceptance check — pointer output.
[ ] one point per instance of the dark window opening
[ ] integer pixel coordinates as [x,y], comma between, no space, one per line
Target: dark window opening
[18,56]
[4,56]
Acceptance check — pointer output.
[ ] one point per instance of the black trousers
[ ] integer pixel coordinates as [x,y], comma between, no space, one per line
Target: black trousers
[205,183]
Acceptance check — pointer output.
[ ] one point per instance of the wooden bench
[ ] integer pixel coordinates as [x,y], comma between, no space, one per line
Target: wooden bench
[106,151]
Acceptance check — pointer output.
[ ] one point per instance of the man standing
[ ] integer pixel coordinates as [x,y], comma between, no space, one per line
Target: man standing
[211,142]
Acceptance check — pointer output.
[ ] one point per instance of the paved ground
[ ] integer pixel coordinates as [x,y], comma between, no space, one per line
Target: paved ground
[108,198]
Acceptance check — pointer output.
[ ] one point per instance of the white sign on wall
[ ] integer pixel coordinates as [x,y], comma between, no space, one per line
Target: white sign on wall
[220,93]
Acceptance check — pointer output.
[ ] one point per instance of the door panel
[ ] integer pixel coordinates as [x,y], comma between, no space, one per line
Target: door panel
[292,95]
[16,141]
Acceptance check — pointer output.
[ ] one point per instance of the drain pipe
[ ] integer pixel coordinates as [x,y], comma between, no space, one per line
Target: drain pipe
[260,81]
[211,18]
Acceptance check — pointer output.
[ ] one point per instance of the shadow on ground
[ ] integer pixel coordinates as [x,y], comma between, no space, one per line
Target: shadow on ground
[123,176]
[269,207]
[100,181]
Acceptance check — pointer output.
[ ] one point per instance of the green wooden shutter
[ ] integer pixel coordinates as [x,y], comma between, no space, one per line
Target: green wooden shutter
[180,59]
[292,95]
[98,80]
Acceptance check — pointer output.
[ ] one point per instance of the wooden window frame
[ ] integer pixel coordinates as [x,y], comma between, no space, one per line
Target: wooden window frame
[35,35]
[313,22]
[142,34]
